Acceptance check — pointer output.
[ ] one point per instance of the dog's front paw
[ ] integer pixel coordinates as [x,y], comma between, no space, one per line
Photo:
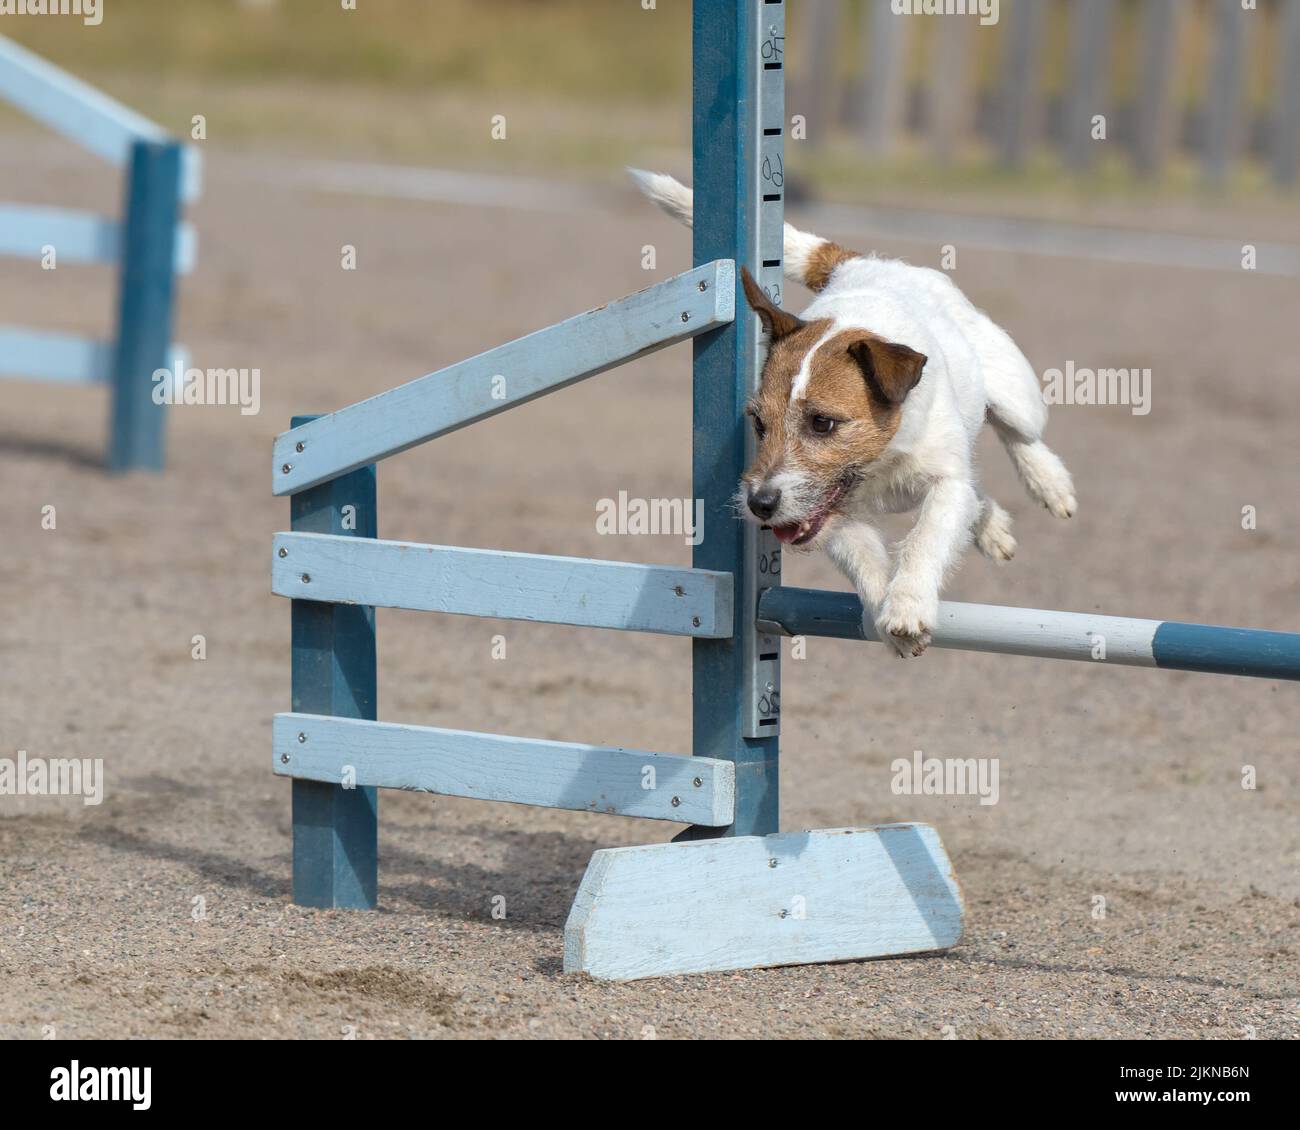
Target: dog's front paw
[906,621]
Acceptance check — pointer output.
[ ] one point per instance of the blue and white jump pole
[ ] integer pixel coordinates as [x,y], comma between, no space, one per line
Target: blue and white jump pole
[1121,640]
[731,891]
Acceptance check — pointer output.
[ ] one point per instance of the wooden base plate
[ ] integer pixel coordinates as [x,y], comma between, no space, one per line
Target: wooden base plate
[752,901]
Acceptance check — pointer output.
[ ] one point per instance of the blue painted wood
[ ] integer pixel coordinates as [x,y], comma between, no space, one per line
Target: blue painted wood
[1227,651]
[497,584]
[335,830]
[77,237]
[505,377]
[571,775]
[751,901]
[726,140]
[47,356]
[145,303]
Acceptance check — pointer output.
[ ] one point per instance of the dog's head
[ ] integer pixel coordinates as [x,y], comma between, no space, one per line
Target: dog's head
[829,403]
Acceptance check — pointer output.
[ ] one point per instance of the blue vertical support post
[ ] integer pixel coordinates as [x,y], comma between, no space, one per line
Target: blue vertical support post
[146,293]
[335,829]
[738,123]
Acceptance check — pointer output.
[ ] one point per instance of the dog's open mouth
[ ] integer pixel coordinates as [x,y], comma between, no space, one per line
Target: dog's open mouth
[801,533]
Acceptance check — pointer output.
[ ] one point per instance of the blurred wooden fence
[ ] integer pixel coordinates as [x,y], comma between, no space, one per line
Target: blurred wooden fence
[1217,81]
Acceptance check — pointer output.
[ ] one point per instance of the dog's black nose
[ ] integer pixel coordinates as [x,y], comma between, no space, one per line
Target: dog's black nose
[763,502]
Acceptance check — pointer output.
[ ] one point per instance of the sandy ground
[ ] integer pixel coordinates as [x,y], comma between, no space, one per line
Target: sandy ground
[1116,784]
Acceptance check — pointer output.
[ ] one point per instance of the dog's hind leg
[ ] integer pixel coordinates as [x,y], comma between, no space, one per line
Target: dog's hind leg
[1040,469]
[1015,408]
[992,530]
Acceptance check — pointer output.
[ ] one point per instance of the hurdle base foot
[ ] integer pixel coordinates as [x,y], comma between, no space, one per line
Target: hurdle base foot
[747,902]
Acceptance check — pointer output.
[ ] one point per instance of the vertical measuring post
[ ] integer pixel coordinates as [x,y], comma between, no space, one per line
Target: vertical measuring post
[739,128]
[335,829]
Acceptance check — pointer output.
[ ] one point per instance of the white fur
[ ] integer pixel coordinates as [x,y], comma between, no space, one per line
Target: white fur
[973,371]
[668,192]
[799,246]
[799,386]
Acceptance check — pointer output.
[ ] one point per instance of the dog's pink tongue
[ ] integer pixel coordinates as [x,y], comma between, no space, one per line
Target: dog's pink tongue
[787,534]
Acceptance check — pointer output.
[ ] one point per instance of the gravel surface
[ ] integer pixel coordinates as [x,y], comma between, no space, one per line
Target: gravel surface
[1125,884]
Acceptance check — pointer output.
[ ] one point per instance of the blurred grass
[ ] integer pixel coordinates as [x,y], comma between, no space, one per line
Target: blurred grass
[611,49]
[585,86]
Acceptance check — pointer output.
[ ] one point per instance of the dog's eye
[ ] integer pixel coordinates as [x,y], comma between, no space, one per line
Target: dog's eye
[760,429]
[823,425]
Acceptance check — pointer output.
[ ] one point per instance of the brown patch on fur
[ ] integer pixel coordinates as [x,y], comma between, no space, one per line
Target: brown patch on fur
[822,262]
[891,369]
[866,405]
[778,323]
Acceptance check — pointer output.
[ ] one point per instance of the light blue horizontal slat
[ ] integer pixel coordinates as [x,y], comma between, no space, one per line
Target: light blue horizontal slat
[745,902]
[586,778]
[497,584]
[44,356]
[74,108]
[505,377]
[87,116]
[77,237]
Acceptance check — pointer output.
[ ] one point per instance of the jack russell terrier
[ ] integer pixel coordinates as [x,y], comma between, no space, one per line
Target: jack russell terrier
[870,403]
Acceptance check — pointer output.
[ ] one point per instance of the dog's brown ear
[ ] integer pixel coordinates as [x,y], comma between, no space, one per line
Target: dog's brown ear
[778,323]
[891,370]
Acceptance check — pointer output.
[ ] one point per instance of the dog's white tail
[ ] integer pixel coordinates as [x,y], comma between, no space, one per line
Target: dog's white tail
[808,258]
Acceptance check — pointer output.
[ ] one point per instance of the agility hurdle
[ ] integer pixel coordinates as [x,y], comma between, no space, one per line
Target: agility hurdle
[150,246]
[730,891]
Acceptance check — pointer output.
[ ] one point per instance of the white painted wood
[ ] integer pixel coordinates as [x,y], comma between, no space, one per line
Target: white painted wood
[971,627]
[586,778]
[754,901]
[1047,633]
[77,237]
[505,377]
[498,584]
